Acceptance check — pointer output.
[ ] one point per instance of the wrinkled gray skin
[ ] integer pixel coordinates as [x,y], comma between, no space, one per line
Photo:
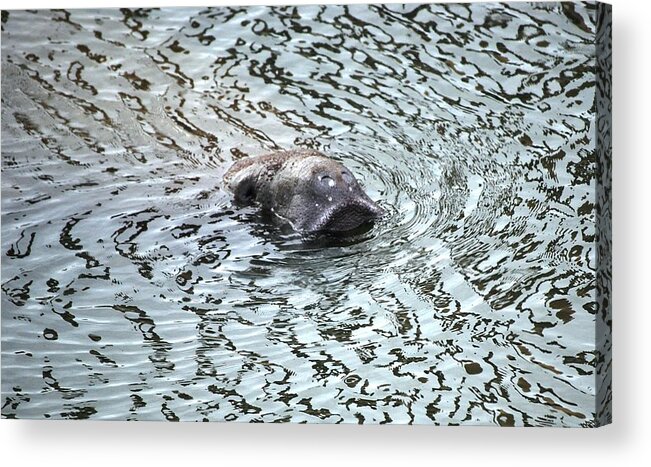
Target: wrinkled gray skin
[304,188]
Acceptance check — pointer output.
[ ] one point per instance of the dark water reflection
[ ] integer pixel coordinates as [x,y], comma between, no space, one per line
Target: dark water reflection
[133,289]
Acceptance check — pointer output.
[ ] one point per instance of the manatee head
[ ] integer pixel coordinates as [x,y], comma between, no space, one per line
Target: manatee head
[319,194]
[303,188]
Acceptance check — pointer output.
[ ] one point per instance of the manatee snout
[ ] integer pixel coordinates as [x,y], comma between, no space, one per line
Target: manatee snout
[347,215]
[303,188]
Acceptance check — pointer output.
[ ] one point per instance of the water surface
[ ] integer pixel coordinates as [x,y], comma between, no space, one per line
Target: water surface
[133,288]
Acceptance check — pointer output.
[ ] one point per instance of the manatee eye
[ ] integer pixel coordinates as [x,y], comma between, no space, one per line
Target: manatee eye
[348,178]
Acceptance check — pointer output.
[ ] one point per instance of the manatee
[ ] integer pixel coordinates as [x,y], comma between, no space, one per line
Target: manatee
[303,188]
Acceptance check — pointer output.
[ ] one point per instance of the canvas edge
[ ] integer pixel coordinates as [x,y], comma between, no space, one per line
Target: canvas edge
[603,205]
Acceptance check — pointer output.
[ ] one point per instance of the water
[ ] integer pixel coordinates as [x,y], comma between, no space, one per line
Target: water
[133,289]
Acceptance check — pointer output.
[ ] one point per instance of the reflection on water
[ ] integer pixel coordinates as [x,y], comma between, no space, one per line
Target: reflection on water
[133,289]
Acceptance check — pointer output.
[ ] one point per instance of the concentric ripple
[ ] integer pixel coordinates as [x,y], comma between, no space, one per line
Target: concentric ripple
[132,287]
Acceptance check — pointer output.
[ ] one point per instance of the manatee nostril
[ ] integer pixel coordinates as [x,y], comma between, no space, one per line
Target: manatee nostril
[327,179]
[348,180]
